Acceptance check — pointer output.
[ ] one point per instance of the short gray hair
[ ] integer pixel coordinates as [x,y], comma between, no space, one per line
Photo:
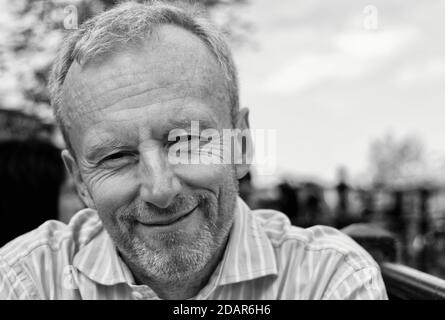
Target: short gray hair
[131,22]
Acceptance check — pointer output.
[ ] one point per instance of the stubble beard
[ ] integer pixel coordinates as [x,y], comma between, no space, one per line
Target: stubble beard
[182,255]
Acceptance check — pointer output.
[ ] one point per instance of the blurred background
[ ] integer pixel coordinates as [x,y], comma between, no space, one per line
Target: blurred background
[352,89]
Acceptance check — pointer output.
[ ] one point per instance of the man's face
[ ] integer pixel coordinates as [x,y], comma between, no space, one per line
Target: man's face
[167,220]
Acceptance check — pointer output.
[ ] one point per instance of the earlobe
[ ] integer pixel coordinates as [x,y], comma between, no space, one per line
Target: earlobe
[73,169]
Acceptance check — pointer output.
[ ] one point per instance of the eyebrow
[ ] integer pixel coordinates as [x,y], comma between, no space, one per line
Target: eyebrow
[187,123]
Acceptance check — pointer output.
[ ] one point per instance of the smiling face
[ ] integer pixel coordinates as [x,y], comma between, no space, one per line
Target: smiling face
[168,220]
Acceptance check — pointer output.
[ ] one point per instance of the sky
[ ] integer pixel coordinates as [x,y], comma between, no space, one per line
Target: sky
[332,76]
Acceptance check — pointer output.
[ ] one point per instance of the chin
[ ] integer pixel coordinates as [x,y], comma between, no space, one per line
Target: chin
[174,261]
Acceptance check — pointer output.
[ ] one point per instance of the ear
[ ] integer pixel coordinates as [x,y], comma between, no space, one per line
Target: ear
[73,169]
[244,144]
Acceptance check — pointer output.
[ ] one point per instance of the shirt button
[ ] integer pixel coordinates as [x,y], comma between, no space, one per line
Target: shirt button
[137,295]
[68,279]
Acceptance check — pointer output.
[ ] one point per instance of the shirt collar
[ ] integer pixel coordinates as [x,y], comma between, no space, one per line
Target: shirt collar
[248,255]
[99,260]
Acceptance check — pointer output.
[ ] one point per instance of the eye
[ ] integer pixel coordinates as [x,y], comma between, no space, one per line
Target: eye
[185,138]
[117,156]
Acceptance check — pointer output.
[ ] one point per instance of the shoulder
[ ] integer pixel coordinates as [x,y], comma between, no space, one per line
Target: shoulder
[320,241]
[319,262]
[34,265]
[53,239]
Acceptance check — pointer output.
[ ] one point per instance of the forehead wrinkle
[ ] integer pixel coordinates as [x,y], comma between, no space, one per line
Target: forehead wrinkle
[198,113]
[121,82]
[133,106]
[193,78]
[139,89]
[105,131]
[206,68]
[90,97]
[74,99]
[83,100]
[210,66]
[148,51]
[79,93]
[205,72]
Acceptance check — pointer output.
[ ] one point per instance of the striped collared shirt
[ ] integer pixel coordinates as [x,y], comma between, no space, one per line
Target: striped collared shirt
[265,258]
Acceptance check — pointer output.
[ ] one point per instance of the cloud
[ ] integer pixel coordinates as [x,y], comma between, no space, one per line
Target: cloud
[375,44]
[353,54]
[423,72]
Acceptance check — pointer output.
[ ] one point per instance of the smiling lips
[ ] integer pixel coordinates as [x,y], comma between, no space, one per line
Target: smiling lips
[169,220]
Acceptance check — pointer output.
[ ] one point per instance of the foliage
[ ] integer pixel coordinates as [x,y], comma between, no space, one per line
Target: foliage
[403,161]
[30,32]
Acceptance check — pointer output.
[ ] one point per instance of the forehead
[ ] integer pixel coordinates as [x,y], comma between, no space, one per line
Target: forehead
[172,74]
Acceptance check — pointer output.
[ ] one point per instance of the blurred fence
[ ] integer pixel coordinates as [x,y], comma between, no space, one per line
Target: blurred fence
[414,215]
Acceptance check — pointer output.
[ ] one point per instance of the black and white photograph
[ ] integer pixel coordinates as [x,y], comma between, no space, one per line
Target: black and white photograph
[243,151]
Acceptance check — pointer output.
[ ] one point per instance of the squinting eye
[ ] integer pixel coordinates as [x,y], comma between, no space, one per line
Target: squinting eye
[116,156]
[185,138]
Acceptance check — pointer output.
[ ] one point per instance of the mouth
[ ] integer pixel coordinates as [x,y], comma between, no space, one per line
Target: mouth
[168,221]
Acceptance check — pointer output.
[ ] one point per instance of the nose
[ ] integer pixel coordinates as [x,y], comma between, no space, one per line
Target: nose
[159,185]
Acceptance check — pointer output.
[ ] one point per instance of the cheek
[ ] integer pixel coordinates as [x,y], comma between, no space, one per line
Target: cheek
[203,176]
[113,191]
[218,179]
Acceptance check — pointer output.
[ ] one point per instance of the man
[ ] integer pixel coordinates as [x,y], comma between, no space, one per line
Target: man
[157,228]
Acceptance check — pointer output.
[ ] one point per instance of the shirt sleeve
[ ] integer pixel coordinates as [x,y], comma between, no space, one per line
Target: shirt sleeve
[363,284]
[14,284]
